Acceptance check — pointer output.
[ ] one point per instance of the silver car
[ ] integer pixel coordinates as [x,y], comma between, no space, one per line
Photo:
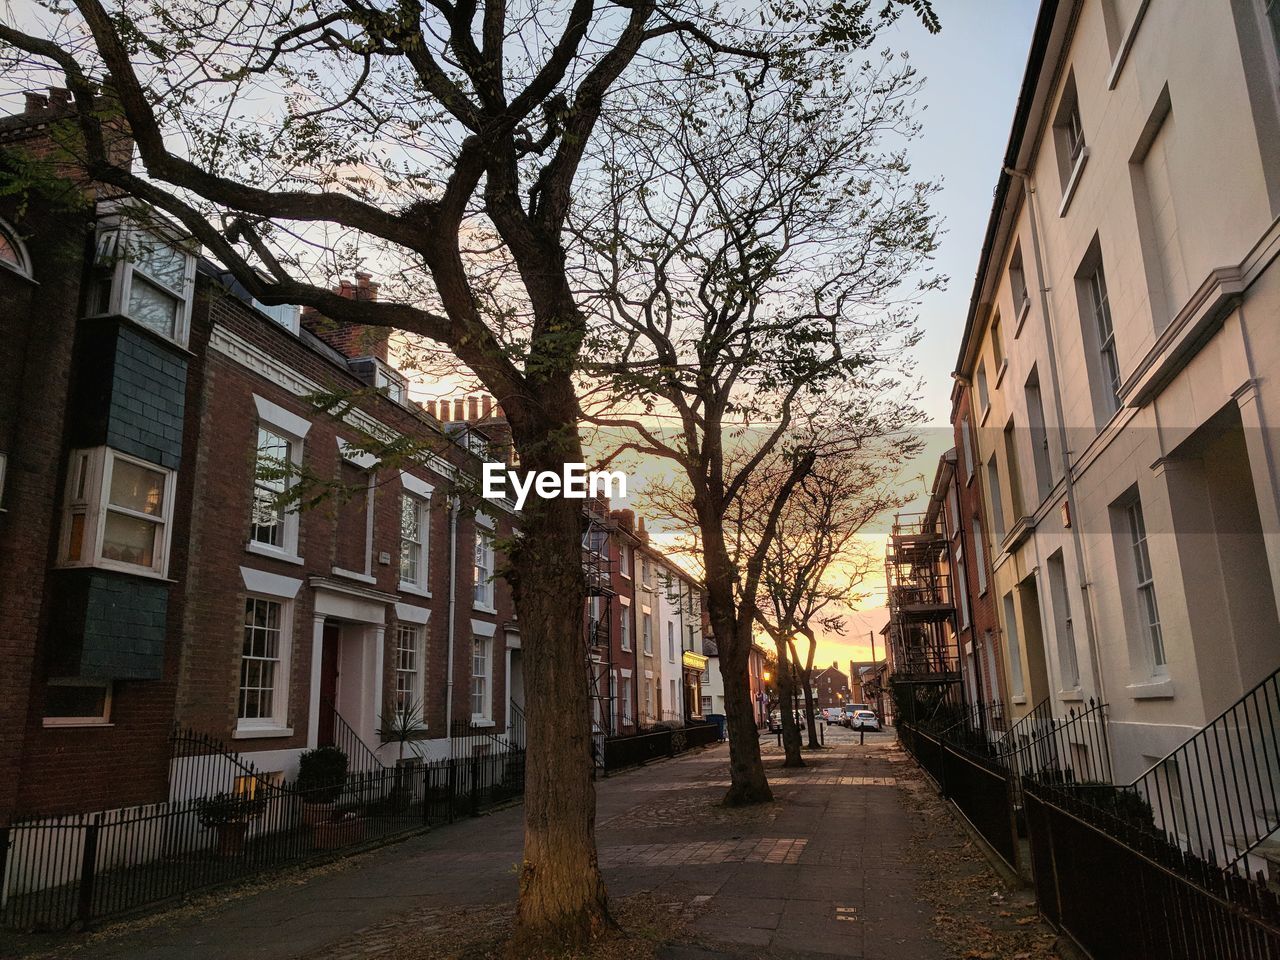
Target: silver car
[865,720]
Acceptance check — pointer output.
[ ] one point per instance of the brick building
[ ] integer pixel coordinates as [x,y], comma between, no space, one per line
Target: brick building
[830,687]
[152,418]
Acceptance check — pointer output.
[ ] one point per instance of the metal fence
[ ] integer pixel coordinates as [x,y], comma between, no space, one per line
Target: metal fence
[1119,868]
[620,752]
[60,871]
[1120,894]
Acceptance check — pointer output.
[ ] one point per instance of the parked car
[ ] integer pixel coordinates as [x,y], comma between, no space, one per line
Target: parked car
[775,720]
[832,715]
[850,709]
[865,720]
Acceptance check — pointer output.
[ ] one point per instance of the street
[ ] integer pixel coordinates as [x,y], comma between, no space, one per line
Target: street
[856,858]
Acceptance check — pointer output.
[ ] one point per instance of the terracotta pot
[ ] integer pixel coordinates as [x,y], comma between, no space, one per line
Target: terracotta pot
[314,814]
[231,838]
[338,833]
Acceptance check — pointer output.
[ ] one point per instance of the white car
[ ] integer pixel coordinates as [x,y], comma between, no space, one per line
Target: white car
[832,715]
[865,720]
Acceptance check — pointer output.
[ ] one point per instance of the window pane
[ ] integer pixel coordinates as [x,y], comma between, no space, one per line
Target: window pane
[259,658]
[9,251]
[152,307]
[159,261]
[68,701]
[134,487]
[129,539]
[273,468]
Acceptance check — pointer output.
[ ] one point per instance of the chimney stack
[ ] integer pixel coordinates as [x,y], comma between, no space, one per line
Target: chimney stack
[486,407]
[352,340]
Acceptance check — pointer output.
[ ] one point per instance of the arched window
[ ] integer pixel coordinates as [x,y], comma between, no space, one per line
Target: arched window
[12,252]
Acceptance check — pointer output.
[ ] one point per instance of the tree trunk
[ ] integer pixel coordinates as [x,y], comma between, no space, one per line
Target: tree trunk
[732,631]
[787,708]
[562,900]
[806,680]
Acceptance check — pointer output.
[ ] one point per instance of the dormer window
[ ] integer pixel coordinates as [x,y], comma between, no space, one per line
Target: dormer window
[146,274]
[12,252]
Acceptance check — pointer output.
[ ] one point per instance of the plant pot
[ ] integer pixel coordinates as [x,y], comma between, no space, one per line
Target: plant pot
[231,838]
[337,833]
[314,814]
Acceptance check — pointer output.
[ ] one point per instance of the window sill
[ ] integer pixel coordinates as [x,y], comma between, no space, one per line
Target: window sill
[1020,700]
[484,722]
[1022,317]
[982,417]
[414,589]
[57,723]
[1071,696]
[480,608]
[352,575]
[127,569]
[261,733]
[1157,688]
[262,550]
[1004,368]
[1073,181]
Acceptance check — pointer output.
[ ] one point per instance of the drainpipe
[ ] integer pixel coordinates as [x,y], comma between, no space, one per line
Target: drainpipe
[454,506]
[1051,344]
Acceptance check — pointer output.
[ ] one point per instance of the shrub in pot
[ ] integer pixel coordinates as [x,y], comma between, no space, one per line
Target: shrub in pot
[229,814]
[322,773]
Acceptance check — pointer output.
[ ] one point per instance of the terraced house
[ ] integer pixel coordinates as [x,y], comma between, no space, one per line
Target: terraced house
[1118,501]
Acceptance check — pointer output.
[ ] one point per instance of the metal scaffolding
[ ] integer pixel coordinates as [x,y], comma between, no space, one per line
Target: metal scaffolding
[922,631]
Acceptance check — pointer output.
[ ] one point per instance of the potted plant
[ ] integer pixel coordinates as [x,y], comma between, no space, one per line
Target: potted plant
[403,724]
[229,814]
[322,773]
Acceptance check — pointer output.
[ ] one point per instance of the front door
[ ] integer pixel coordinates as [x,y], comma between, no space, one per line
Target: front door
[328,682]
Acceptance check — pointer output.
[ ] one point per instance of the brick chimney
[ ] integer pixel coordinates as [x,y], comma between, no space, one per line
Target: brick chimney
[46,129]
[350,339]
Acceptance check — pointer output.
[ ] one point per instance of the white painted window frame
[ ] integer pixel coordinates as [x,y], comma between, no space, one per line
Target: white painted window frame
[293,428]
[88,493]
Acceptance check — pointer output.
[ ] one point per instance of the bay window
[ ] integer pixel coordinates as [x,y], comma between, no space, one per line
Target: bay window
[117,513]
[145,274]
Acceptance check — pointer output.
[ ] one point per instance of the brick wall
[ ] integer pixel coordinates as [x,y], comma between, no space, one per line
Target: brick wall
[984,623]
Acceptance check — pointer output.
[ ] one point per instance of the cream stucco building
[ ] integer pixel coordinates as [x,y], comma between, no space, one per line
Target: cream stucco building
[1122,350]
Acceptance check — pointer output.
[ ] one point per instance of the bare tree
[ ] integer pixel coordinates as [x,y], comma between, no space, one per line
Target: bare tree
[754,252]
[814,571]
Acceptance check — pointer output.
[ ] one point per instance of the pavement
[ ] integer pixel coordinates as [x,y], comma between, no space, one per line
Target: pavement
[833,869]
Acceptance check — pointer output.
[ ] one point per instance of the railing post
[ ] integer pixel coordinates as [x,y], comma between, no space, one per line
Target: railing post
[88,870]
[453,785]
[475,787]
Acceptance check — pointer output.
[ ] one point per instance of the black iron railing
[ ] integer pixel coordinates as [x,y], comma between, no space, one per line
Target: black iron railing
[58,871]
[620,752]
[1126,870]
[1120,894]
[1218,795]
[361,758]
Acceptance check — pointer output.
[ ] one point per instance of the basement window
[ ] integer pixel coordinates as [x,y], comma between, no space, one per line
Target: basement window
[72,702]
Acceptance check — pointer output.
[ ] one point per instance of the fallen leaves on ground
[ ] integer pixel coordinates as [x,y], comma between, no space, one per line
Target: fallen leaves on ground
[975,917]
[643,923]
